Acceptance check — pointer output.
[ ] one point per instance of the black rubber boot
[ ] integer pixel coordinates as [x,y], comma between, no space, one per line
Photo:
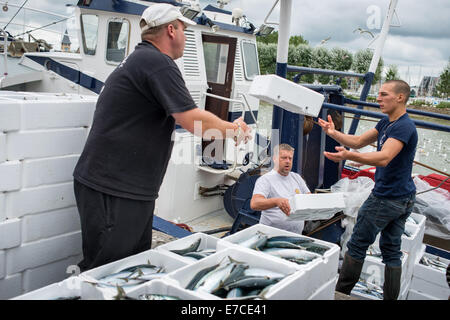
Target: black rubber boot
[391,287]
[349,275]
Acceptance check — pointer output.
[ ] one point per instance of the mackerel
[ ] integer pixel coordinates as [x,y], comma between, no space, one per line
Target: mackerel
[292,253]
[293,239]
[191,248]
[199,276]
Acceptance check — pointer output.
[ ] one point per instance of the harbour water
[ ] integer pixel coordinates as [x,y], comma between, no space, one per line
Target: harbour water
[433,148]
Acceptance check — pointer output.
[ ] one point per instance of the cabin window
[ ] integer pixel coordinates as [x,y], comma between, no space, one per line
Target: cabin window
[250,58]
[89,28]
[216,58]
[117,43]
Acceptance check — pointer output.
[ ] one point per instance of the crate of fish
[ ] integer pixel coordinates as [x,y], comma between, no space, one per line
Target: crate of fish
[107,281]
[367,290]
[319,258]
[161,289]
[236,273]
[429,276]
[373,267]
[68,289]
[191,248]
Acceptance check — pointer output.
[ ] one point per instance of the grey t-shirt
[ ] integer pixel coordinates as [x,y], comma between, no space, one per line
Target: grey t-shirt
[274,185]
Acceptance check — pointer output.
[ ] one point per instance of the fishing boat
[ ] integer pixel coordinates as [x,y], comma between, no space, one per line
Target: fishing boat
[219,65]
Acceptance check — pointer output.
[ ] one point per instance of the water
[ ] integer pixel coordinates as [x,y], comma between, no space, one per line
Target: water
[433,147]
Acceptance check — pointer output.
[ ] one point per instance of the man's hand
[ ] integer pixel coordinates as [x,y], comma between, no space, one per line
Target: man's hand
[341,154]
[328,127]
[284,206]
[243,131]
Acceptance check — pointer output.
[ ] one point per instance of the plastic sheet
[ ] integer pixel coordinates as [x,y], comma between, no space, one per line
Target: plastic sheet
[435,206]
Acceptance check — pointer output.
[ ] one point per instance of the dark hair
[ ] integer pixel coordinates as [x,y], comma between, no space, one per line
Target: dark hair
[401,86]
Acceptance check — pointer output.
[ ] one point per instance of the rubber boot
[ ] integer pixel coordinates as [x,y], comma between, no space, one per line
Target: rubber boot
[349,274]
[391,287]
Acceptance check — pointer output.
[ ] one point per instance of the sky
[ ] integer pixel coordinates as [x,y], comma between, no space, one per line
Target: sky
[419,47]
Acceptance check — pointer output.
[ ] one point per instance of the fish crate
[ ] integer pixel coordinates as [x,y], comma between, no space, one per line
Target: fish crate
[92,291]
[428,280]
[326,292]
[165,287]
[319,270]
[68,289]
[207,242]
[294,286]
[373,269]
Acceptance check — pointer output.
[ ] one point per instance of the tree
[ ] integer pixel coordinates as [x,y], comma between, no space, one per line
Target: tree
[273,38]
[392,73]
[361,63]
[322,60]
[267,54]
[443,86]
[341,59]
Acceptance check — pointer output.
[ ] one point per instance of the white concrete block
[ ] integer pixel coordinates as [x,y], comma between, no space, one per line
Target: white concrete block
[48,170]
[2,207]
[42,252]
[49,224]
[2,147]
[9,115]
[10,233]
[2,264]
[45,114]
[10,175]
[11,286]
[50,273]
[45,143]
[39,199]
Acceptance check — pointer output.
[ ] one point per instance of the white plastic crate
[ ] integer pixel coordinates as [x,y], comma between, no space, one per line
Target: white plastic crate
[326,292]
[428,273]
[316,206]
[409,244]
[319,270]
[293,287]
[373,269]
[94,292]
[206,242]
[166,287]
[66,289]
[416,295]
[286,94]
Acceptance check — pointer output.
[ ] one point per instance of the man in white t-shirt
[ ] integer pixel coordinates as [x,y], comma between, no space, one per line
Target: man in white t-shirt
[272,191]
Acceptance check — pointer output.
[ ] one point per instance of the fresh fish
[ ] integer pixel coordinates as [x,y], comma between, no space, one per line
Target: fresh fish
[282,244]
[259,272]
[118,279]
[196,255]
[292,239]
[199,276]
[292,254]
[407,233]
[252,282]
[191,248]
[373,251]
[434,263]
[235,293]
[68,298]
[212,281]
[139,266]
[257,241]
[314,247]
[152,296]
[411,220]
[237,273]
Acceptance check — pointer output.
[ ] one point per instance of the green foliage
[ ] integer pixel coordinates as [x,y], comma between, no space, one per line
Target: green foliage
[361,64]
[443,86]
[273,38]
[267,54]
[392,73]
[341,59]
[321,59]
[419,103]
[443,105]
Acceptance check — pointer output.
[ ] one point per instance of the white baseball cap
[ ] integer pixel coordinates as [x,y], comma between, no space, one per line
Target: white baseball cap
[161,13]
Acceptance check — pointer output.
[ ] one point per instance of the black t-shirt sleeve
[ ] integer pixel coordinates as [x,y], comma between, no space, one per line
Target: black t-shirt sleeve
[169,89]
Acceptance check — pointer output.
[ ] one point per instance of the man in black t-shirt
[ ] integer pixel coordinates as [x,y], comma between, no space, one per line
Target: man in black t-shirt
[122,166]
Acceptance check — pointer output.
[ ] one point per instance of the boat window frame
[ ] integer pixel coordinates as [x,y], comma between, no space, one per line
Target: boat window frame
[244,61]
[83,35]
[127,48]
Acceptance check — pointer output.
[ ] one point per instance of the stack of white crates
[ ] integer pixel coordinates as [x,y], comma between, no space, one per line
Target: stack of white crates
[373,268]
[427,282]
[315,280]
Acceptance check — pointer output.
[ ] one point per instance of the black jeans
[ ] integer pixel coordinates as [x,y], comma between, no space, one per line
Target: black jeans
[112,228]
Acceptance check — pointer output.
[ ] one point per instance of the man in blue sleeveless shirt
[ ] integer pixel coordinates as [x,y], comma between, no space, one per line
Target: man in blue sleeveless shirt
[393,196]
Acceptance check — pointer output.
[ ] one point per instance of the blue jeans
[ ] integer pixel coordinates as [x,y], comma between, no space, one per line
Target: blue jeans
[385,215]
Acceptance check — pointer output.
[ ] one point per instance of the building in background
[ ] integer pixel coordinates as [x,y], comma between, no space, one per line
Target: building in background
[427,86]
[65,43]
